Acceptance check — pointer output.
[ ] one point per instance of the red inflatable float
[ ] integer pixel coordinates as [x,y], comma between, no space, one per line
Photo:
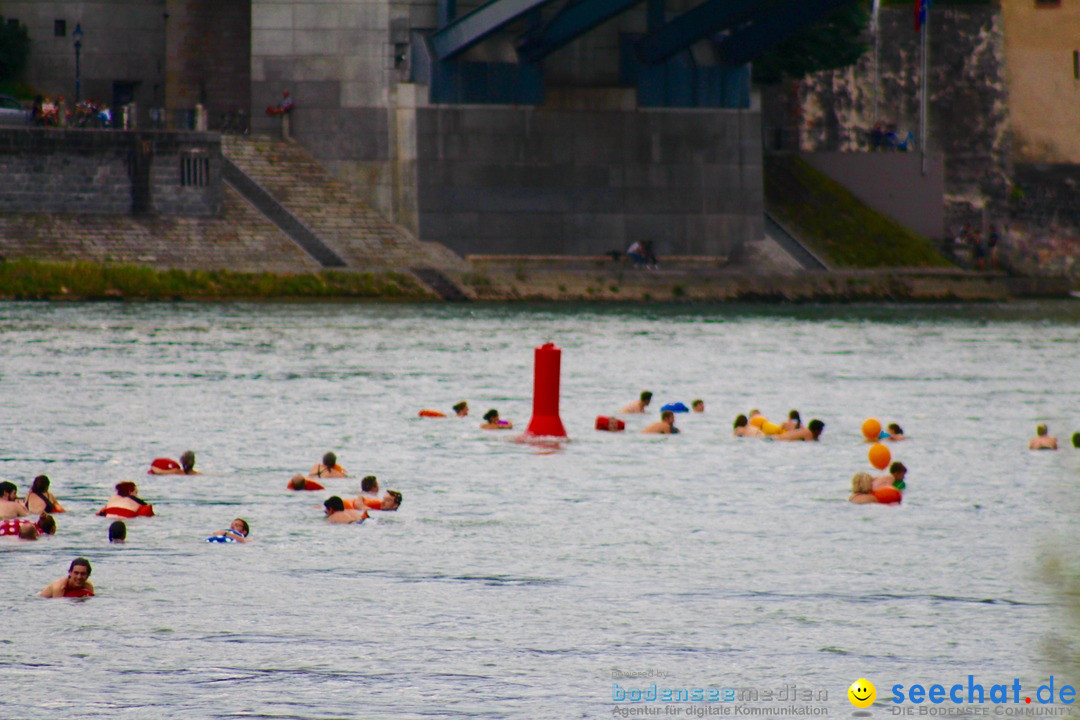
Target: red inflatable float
[888,496]
[612,424]
[431,413]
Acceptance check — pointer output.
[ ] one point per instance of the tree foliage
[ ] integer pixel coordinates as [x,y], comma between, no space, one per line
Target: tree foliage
[837,41]
[14,49]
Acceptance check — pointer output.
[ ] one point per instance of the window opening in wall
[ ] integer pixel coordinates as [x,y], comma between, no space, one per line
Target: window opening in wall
[1076,64]
[59,28]
[194,170]
[1047,3]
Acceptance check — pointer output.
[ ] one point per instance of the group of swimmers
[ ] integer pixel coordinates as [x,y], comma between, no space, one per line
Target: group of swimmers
[125,503]
[492,421]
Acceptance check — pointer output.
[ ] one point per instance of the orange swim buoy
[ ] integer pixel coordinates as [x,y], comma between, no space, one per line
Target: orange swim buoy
[879,456]
[888,496]
[871,429]
[431,413]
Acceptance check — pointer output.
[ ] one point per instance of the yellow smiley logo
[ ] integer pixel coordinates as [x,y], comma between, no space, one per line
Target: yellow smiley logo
[862,693]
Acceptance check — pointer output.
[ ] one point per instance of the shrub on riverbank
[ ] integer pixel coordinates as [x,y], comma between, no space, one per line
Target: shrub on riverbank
[33,280]
[836,224]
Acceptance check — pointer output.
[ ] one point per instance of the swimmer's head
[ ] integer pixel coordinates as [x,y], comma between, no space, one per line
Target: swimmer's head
[118,532]
[40,485]
[755,412]
[741,421]
[816,427]
[1076,439]
[668,416]
[861,483]
[187,460]
[126,488]
[329,460]
[369,484]
[462,409]
[898,468]
[1040,430]
[298,482]
[334,504]
[8,490]
[894,429]
[698,405]
[77,562]
[397,498]
[491,415]
[241,526]
[46,524]
[646,397]
[28,531]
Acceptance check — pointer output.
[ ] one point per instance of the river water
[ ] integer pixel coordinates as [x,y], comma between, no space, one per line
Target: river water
[527,581]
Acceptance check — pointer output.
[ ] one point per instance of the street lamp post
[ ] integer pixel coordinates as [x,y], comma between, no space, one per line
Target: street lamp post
[78,70]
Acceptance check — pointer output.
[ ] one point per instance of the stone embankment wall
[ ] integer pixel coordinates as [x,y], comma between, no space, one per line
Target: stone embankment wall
[109,172]
[968,113]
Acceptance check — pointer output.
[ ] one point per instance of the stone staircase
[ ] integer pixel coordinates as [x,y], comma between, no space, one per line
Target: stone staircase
[322,215]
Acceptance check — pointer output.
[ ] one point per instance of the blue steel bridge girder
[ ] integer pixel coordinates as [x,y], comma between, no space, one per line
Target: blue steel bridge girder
[699,22]
[571,21]
[772,26]
[473,27]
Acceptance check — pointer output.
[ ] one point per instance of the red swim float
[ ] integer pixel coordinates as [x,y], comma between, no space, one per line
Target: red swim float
[888,496]
[431,413]
[163,464]
[128,513]
[604,422]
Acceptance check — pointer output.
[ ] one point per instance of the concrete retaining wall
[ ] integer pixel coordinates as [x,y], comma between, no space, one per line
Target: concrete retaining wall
[511,180]
[893,184]
[109,172]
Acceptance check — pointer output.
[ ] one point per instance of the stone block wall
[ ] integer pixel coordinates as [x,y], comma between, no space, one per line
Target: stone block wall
[109,172]
[508,180]
[968,111]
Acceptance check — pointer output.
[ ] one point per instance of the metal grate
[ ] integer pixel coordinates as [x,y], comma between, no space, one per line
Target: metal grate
[194,170]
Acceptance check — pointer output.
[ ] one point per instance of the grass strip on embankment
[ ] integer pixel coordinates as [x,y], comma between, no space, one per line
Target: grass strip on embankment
[35,280]
[837,225]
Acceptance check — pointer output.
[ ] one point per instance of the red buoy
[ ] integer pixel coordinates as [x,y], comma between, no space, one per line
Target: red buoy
[545,418]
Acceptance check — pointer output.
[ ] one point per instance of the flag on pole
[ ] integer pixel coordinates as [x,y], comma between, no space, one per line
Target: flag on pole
[921,8]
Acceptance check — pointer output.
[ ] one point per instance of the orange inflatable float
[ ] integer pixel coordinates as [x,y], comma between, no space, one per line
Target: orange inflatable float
[879,456]
[613,424]
[871,429]
[431,413]
[302,483]
[888,496]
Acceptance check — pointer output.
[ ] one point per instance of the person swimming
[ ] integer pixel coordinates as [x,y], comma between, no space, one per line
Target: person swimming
[492,421]
[1042,441]
[743,428]
[328,468]
[118,532]
[862,489]
[168,466]
[237,532]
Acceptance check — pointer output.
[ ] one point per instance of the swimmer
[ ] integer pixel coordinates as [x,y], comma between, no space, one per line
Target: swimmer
[299,482]
[126,503]
[369,487]
[1042,441]
[336,512]
[664,426]
[40,500]
[76,584]
[610,424]
[698,406]
[328,468]
[461,409]
[861,487]
[895,433]
[743,428]
[10,505]
[167,466]
[810,433]
[638,406]
[118,532]
[794,422]
[237,532]
[895,478]
[492,421]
